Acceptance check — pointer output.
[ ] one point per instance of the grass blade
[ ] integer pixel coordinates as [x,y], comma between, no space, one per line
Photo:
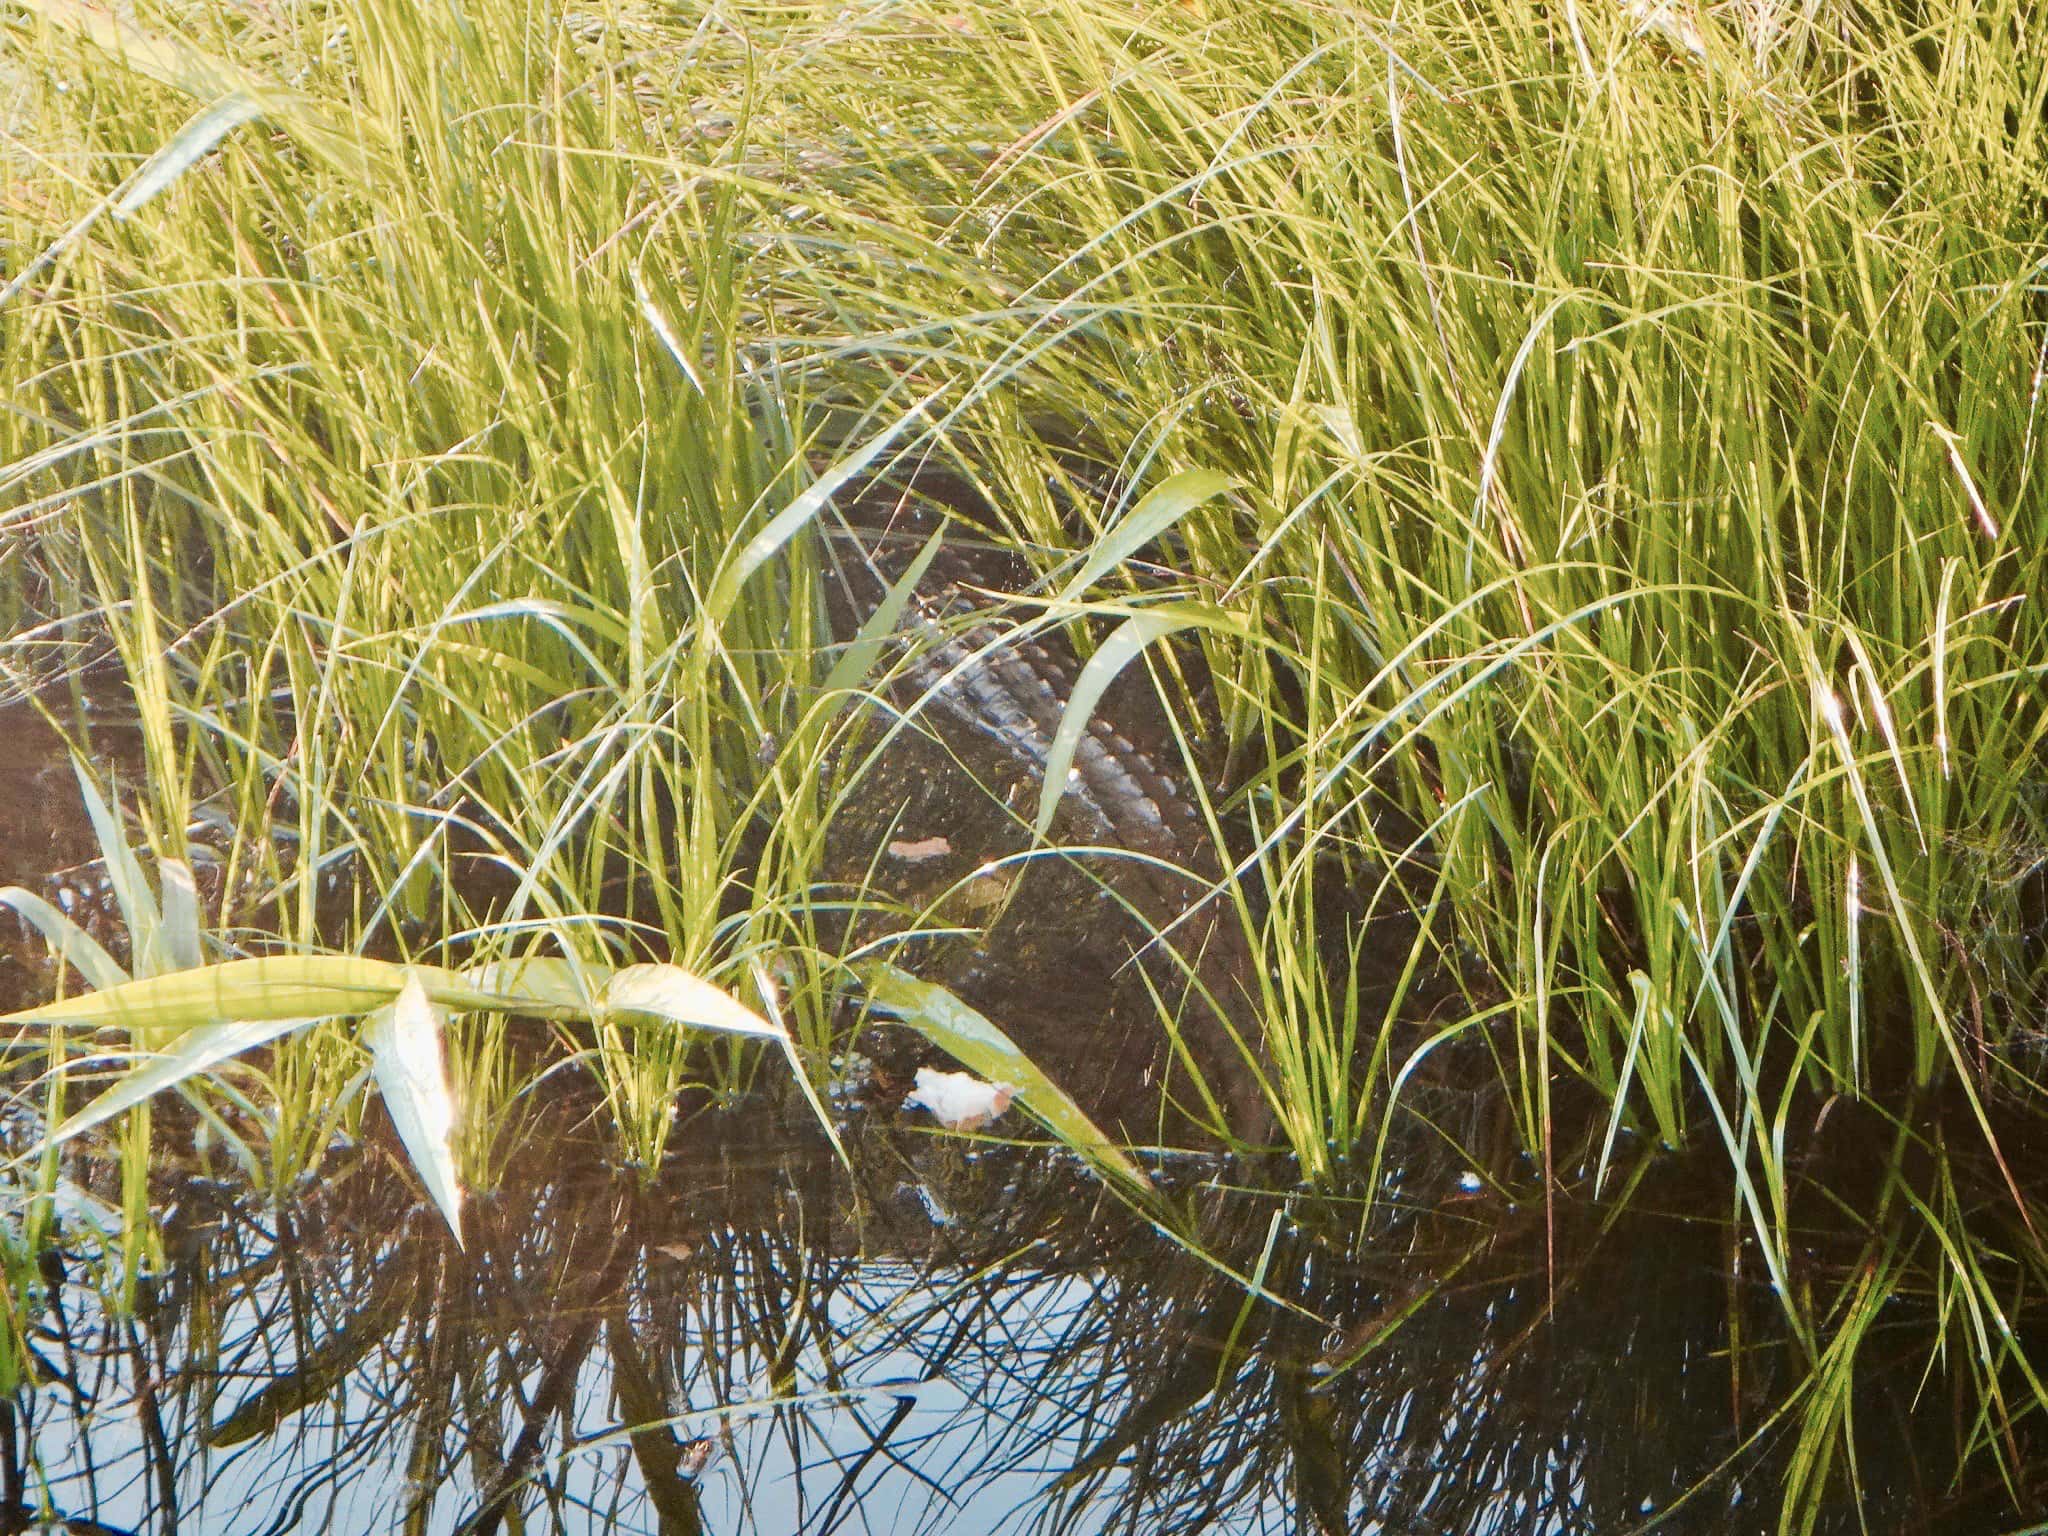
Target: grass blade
[673,995]
[986,1051]
[1159,510]
[196,1052]
[1125,643]
[72,944]
[405,1052]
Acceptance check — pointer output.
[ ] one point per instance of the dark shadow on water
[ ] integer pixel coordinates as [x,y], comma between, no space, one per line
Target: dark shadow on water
[950,1338]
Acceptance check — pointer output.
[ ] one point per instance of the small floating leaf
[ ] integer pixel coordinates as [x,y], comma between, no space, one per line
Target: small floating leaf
[917,850]
[405,1053]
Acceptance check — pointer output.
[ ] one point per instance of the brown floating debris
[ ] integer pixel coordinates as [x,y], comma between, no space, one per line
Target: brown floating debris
[917,850]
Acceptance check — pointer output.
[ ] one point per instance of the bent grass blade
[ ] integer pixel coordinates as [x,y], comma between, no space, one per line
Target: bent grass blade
[270,987]
[71,943]
[673,995]
[139,910]
[220,1011]
[984,1049]
[859,657]
[199,1050]
[1162,507]
[175,62]
[1123,646]
[791,520]
[405,1053]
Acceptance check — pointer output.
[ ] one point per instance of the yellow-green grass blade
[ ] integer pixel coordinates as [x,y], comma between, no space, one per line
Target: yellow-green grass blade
[1162,507]
[979,1045]
[328,986]
[791,520]
[858,659]
[1124,645]
[137,903]
[177,63]
[268,988]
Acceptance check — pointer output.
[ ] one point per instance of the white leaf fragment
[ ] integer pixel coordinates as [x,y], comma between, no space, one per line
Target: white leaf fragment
[957,1100]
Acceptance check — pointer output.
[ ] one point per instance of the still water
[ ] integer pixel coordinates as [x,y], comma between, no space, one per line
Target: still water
[944,1338]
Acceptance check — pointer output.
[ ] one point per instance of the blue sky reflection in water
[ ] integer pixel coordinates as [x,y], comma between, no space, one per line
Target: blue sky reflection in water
[837,1359]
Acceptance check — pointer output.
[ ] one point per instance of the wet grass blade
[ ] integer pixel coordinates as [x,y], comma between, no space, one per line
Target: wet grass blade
[858,659]
[137,904]
[77,948]
[192,144]
[182,943]
[792,520]
[196,1052]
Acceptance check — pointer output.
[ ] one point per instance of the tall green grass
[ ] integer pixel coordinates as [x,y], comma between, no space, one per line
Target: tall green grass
[1640,488]
[405,480]
[1643,463]
[1634,558]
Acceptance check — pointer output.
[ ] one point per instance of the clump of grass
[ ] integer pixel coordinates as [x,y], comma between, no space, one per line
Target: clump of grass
[1671,514]
[410,482]
[181,1007]
[1639,477]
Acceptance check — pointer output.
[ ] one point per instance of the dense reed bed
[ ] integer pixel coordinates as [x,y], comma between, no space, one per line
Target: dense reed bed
[1631,558]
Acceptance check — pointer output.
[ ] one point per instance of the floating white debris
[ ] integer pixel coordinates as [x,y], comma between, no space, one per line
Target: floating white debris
[917,850]
[958,1101]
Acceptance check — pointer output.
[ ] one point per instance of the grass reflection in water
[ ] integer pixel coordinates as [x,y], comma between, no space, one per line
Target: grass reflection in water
[943,1340]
